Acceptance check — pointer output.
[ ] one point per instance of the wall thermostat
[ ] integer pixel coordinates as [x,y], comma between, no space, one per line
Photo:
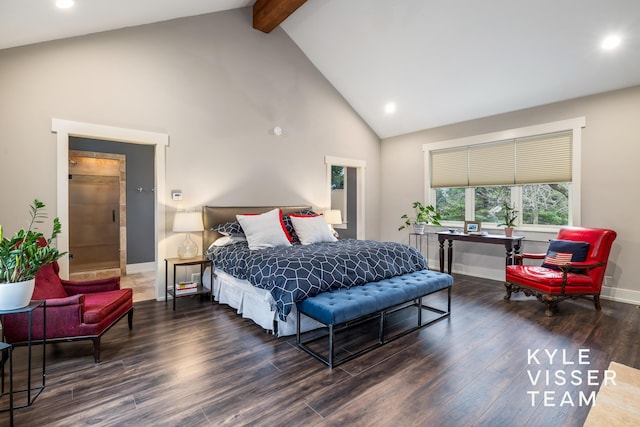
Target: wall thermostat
[176,194]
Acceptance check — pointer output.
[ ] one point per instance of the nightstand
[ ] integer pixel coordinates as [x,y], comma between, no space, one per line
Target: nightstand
[199,290]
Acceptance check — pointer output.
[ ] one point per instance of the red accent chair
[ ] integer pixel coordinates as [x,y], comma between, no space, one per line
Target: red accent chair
[551,284]
[75,310]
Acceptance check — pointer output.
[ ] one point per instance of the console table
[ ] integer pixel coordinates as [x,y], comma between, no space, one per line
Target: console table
[511,244]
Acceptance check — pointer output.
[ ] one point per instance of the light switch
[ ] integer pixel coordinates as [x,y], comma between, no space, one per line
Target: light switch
[176,194]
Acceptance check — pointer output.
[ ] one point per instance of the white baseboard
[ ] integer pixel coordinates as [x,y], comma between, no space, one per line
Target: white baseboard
[143,267]
[620,295]
[627,296]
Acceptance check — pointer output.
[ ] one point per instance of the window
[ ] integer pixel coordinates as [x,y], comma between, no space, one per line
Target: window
[535,169]
[487,200]
[545,204]
[450,203]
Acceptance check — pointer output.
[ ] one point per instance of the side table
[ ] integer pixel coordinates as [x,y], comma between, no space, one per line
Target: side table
[8,350]
[32,392]
[418,241]
[179,262]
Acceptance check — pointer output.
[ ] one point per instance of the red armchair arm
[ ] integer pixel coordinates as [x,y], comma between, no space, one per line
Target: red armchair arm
[64,318]
[520,257]
[533,256]
[59,302]
[578,265]
[91,286]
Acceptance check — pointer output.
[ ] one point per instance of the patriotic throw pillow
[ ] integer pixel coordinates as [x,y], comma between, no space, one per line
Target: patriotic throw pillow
[561,252]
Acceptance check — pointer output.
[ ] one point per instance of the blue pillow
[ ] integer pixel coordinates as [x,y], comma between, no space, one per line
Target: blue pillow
[561,252]
[230,229]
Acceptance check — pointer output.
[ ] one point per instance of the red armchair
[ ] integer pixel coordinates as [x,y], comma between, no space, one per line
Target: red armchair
[562,276]
[75,310]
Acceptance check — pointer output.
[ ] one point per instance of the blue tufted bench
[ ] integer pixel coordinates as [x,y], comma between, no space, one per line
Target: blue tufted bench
[343,308]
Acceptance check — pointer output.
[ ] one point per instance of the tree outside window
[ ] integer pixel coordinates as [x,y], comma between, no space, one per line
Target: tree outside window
[542,204]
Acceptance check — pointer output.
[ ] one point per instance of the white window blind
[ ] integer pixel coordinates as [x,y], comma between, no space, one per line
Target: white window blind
[545,158]
[492,164]
[531,160]
[449,168]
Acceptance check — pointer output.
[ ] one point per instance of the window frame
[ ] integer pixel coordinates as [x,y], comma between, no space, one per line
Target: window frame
[574,125]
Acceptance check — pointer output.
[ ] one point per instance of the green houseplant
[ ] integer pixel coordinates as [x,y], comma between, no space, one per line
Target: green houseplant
[22,255]
[509,216]
[424,214]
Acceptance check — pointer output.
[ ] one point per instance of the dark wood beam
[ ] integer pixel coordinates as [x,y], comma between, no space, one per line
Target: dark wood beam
[268,14]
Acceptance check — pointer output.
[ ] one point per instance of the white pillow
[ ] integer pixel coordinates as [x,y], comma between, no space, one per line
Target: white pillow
[312,229]
[264,230]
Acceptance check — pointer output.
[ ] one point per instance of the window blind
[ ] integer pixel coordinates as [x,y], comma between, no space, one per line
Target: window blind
[545,158]
[531,160]
[492,164]
[449,168]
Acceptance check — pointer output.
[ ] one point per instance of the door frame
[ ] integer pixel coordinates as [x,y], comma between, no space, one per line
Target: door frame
[360,166]
[65,128]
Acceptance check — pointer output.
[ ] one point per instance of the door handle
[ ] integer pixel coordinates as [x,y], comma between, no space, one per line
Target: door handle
[113,215]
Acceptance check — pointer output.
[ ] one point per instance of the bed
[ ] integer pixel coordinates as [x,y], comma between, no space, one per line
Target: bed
[265,283]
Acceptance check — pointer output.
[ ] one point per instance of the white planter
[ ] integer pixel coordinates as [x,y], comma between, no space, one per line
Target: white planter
[418,227]
[16,295]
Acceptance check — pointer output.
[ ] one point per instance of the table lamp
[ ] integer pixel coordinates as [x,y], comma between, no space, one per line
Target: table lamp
[187,222]
[333,217]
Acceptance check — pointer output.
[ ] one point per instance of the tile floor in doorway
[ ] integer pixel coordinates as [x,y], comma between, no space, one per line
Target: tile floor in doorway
[143,285]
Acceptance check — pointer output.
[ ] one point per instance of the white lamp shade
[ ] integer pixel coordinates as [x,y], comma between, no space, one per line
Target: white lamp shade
[333,216]
[187,222]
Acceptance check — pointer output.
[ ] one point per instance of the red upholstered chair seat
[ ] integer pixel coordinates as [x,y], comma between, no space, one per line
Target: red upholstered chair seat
[75,310]
[569,279]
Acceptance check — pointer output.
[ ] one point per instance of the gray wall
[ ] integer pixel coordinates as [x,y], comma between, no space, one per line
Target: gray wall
[140,205]
[215,85]
[610,181]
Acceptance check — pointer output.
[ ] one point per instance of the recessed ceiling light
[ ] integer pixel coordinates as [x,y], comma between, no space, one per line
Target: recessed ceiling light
[64,4]
[611,42]
[390,107]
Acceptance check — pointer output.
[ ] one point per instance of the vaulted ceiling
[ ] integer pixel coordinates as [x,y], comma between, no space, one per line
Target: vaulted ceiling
[438,62]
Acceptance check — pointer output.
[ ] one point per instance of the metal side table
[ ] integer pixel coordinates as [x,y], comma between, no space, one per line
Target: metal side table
[32,391]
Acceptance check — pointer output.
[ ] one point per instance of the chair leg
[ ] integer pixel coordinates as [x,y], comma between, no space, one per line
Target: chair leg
[96,350]
[596,302]
[507,285]
[130,319]
[552,307]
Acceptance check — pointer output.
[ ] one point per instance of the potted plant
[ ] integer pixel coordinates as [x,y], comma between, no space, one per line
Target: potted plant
[509,216]
[424,215]
[22,255]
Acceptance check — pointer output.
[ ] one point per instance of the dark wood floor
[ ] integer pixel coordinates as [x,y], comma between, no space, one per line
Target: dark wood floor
[204,365]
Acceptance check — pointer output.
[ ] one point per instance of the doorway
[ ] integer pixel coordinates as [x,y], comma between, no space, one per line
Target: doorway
[64,129]
[97,212]
[349,199]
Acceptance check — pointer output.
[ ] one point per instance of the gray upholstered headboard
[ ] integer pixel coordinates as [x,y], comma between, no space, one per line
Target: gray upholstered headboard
[215,215]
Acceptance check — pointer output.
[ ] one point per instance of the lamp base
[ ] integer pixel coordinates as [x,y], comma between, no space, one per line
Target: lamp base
[187,248]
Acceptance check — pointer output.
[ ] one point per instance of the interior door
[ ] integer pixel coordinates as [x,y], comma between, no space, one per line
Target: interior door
[94,214]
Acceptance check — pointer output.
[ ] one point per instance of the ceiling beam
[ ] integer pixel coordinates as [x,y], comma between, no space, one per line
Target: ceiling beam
[268,14]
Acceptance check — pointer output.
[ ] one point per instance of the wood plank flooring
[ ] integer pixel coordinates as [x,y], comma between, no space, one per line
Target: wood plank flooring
[204,365]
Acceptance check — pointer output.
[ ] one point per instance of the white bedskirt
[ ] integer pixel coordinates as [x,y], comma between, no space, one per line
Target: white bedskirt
[255,304]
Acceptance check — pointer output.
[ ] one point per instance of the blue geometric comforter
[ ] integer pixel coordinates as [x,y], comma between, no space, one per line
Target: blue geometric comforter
[293,273]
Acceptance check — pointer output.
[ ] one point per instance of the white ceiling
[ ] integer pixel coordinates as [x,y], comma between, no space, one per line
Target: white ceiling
[441,62]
